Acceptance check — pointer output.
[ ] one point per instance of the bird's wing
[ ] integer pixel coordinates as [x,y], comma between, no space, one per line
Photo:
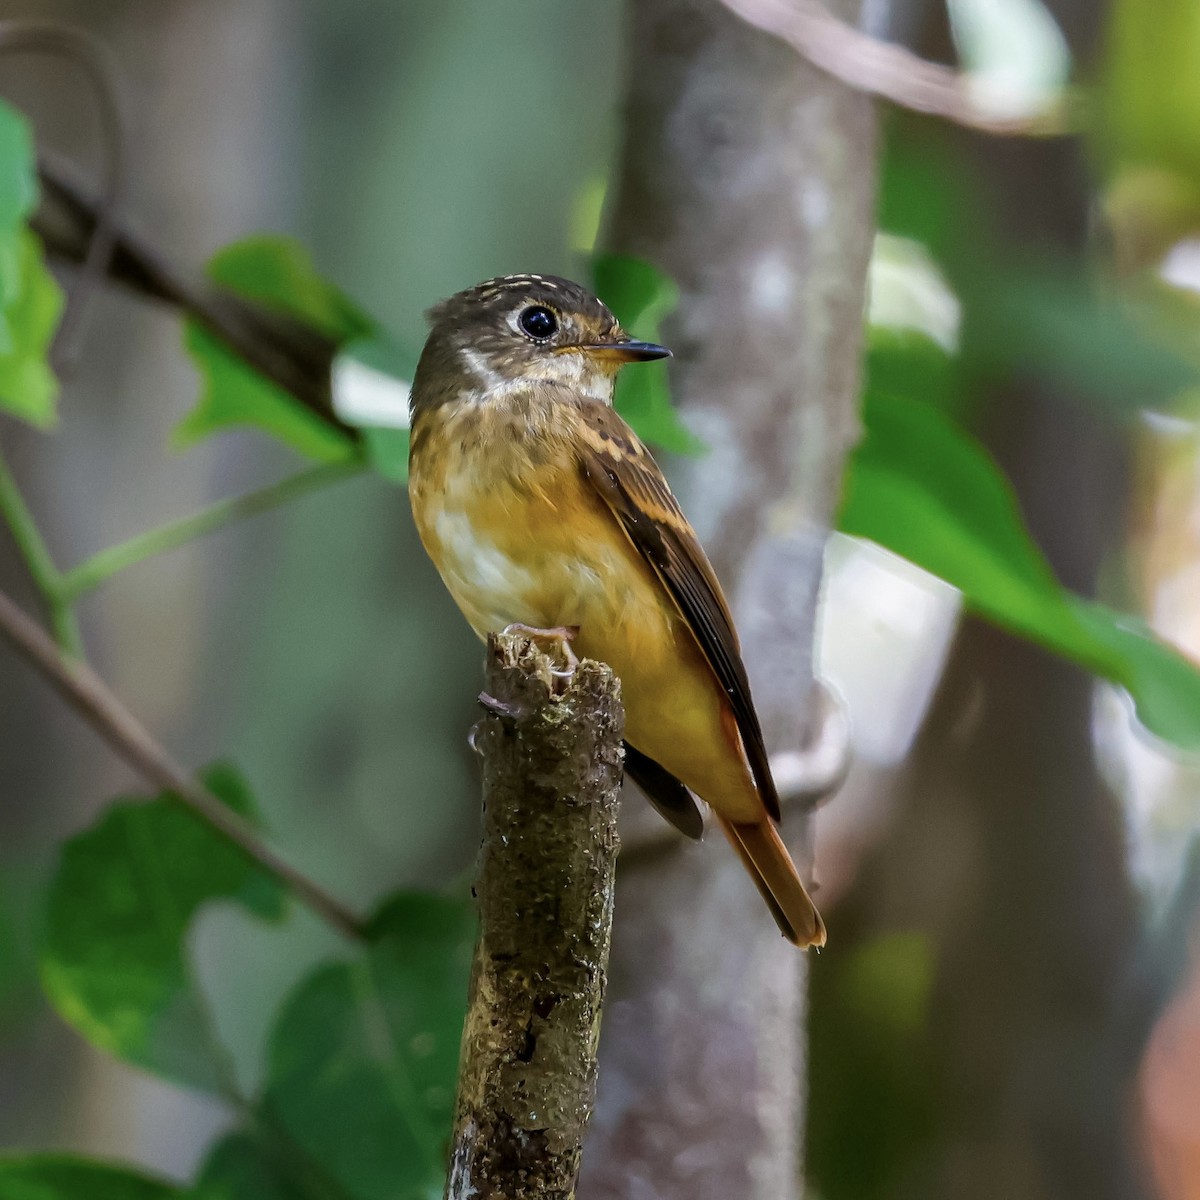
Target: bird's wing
[622,471]
[671,799]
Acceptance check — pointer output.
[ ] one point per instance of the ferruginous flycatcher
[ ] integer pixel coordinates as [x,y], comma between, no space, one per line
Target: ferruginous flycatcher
[541,508]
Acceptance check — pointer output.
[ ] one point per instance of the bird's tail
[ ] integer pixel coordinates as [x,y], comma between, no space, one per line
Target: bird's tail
[770,865]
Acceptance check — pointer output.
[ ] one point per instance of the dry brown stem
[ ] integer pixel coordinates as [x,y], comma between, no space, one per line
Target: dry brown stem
[891,72]
[92,698]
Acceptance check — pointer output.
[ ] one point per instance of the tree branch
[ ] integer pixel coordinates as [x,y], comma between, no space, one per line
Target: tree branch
[552,774]
[36,556]
[289,353]
[91,697]
[891,72]
[108,562]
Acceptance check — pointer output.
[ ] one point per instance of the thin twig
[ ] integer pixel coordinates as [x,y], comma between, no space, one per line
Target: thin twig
[103,565]
[91,697]
[42,571]
[288,352]
[891,72]
[94,57]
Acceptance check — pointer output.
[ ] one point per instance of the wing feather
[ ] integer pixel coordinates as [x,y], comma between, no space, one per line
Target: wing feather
[622,471]
[670,797]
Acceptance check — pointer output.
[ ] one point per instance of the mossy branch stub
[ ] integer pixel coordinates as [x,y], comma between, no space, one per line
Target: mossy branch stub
[552,765]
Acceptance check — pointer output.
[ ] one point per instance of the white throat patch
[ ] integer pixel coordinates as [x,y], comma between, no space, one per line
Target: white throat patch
[570,370]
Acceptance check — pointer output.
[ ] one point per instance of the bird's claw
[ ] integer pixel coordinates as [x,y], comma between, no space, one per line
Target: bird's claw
[556,641]
[500,708]
[508,713]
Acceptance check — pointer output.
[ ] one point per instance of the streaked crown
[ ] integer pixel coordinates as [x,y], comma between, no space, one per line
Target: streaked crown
[522,328]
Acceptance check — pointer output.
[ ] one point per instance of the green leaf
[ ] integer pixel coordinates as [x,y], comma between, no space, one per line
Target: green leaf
[898,966]
[364,1057]
[30,300]
[243,1167]
[18,173]
[1025,314]
[640,297]
[930,193]
[387,451]
[1164,684]
[28,387]
[277,273]
[64,1177]
[639,294]
[902,362]
[1054,322]
[113,960]
[372,379]
[926,490]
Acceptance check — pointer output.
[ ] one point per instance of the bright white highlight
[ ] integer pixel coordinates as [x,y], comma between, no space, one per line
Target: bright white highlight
[364,396]
[907,290]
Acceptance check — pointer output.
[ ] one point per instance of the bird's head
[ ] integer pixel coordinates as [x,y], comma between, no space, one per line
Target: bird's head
[516,330]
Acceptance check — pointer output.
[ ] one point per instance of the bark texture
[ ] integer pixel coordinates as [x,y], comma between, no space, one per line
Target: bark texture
[552,775]
[748,177]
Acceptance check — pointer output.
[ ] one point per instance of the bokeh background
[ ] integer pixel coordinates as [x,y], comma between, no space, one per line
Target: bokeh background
[1011,1006]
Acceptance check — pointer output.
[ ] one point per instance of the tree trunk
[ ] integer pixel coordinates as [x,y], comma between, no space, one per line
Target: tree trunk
[748,177]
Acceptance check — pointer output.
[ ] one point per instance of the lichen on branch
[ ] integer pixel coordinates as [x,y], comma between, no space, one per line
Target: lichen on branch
[552,766]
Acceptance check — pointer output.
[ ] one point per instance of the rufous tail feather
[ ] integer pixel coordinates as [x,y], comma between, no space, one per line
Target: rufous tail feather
[770,865]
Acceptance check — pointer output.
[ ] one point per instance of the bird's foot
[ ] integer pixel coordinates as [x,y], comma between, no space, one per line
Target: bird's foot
[556,643]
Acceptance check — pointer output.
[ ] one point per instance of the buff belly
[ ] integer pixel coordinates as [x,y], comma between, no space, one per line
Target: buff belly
[550,556]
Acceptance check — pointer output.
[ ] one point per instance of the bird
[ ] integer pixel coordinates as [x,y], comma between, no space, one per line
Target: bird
[542,510]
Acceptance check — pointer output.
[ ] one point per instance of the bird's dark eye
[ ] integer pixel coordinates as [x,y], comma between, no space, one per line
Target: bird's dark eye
[538,322]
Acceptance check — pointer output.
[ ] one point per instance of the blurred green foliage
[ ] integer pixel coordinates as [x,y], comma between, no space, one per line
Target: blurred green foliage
[18,186]
[1098,325]
[113,955]
[59,1176]
[30,300]
[359,1077]
[364,1056]
[244,1166]
[278,273]
[921,485]
[924,488]
[870,1068]
[1151,88]
[640,296]
[1025,309]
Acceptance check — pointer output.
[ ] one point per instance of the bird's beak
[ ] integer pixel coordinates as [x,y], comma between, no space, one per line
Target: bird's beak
[627,351]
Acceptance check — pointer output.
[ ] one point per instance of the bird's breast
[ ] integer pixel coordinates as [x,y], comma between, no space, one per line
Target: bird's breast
[519,536]
[523,537]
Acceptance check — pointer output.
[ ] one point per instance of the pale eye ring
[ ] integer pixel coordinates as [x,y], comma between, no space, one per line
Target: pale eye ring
[537,322]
